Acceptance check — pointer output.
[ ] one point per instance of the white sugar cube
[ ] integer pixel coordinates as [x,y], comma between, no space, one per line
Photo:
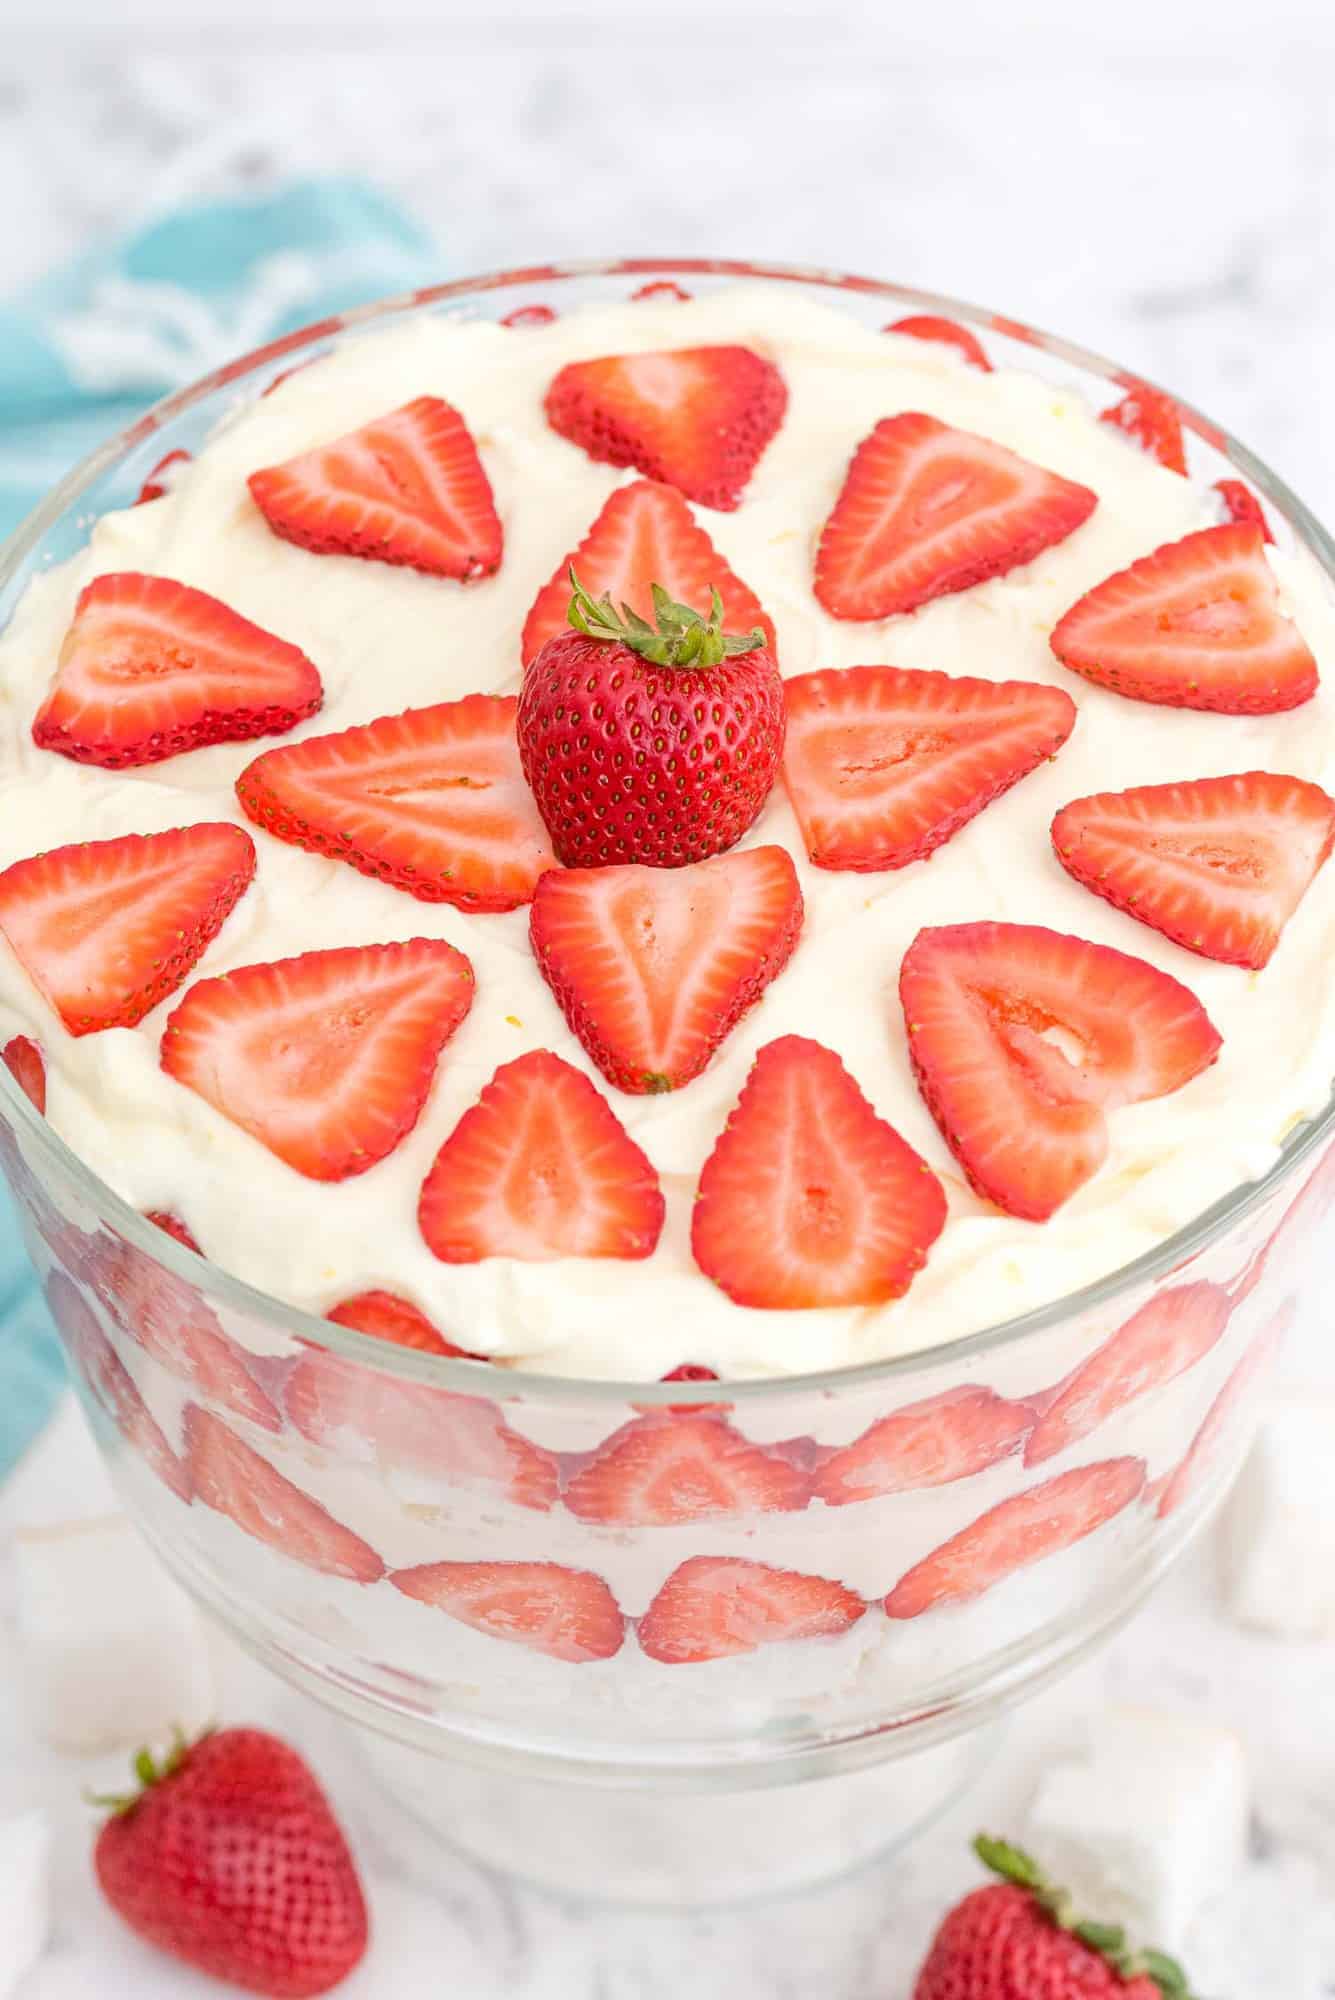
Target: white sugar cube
[113,1652]
[25,1897]
[1278,1534]
[1147,1824]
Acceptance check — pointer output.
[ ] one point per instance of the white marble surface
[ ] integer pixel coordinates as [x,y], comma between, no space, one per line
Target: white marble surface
[1159,182]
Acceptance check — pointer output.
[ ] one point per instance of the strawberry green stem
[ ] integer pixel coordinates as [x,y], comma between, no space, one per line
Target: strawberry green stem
[678,637]
[149,1772]
[1012,1864]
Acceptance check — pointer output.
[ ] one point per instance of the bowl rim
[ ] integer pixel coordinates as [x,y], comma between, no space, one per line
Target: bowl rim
[504,1380]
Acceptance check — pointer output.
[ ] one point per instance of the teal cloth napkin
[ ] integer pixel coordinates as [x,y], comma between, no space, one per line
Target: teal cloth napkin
[81,354]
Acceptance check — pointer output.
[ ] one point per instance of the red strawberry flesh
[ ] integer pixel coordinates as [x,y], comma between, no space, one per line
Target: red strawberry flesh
[679,1465]
[569,1614]
[229,1476]
[714,1607]
[1154,422]
[952,1436]
[946,333]
[25,1063]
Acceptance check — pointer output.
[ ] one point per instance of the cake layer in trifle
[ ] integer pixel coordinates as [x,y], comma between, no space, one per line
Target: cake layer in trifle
[1010,960]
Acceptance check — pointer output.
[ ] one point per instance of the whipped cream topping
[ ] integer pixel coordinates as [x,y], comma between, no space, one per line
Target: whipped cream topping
[386,639]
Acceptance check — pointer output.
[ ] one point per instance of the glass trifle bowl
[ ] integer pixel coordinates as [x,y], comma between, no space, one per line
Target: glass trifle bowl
[423,1542]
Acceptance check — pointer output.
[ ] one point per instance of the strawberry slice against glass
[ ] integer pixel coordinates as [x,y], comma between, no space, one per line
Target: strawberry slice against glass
[1223,1418]
[568,1614]
[27,1065]
[945,333]
[1153,421]
[232,1478]
[680,1465]
[111,1383]
[151,667]
[385,1316]
[714,1607]
[952,1436]
[1241,504]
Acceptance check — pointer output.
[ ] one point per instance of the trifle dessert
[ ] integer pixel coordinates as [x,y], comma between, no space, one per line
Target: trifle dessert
[690,840]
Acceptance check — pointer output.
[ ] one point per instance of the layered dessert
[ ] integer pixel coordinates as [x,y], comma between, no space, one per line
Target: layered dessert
[684,839]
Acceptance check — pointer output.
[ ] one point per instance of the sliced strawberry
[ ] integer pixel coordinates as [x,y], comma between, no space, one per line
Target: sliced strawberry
[933,1443]
[661,288]
[682,1466]
[992,1011]
[1154,421]
[1197,624]
[653,967]
[690,1371]
[540,1167]
[172,1225]
[150,668]
[530,316]
[808,1198]
[26,1064]
[385,1316]
[1223,1424]
[714,1606]
[946,333]
[698,418]
[162,477]
[883,764]
[927,510]
[569,1614]
[108,928]
[111,1383]
[1242,505]
[462,1441]
[408,489]
[1217,864]
[1160,1342]
[326,1059]
[1016,1533]
[233,1479]
[432,802]
[645,534]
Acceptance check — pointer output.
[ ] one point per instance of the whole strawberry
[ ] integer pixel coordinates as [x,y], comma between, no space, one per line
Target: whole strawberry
[655,744]
[230,1858]
[1021,1940]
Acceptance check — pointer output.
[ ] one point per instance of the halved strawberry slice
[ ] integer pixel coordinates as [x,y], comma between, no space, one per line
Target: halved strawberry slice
[1241,504]
[926,510]
[661,288]
[697,418]
[111,1383]
[408,488]
[385,1316]
[1021,1038]
[712,1607]
[883,764]
[108,928]
[537,315]
[569,1614]
[1155,423]
[1160,1342]
[1016,1533]
[540,1167]
[172,1225]
[933,1443]
[233,1479]
[326,1059]
[1197,624]
[1217,864]
[461,1441]
[432,801]
[163,476]
[653,967]
[645,534]
[682,1466]
[1223,1423]
[26,1064]
[946,333]
[150,668]
[808,1198]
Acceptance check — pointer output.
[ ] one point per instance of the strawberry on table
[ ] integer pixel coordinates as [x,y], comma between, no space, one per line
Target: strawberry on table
[408,488]
[27,1065]
[432,802]
[385,1316]
[651,742]
[327,1058]
[150,668]
[569,1614]
[653,967]
[111,1383]
[227,1855]
[952,1436]
[540,1167]
[231,1477]
[1153,421]
[883,764]
[1016,1533]
[1168,1335]
[108,928]
[946,333]
[682,1465]
[1217,864]
[698,418]
[1241,504]
[1196,624]
[644,535]
[927,510]
[991,1010]
[808,1198]
[713,1607]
